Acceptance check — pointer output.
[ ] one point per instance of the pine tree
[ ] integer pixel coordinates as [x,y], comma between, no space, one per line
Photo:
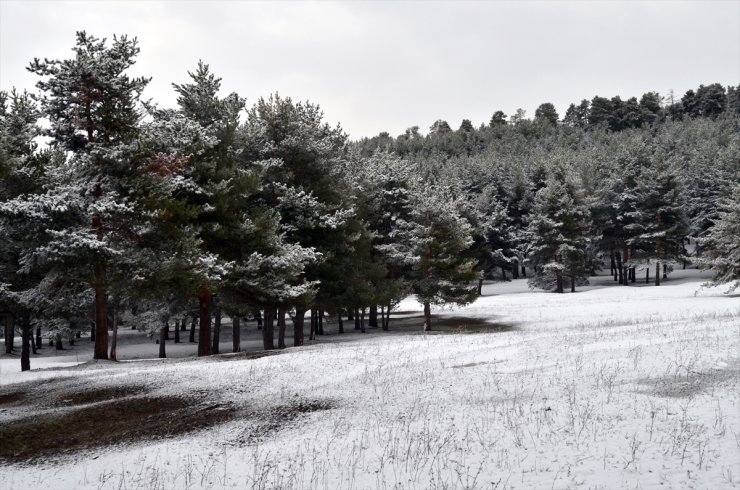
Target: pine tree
[22,171]
[302,159]
[93,110]
[659,221]
[445,268]
[723,241]
[557,235]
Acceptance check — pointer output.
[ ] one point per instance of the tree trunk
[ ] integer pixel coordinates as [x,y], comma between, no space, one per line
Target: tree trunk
[177,330]
[312,324]
[162,338]
[612,265]
[625,248]
[114,336]
[101,318]
[625,274]
[281,328]
[619,267]
[320,321]
[215,348]
[26,334]
[503,272]
[236,334]
[9,334]
[38,336]
[558,281]
[387,317]
[480,287]
[258,316]
[362,320]
[204,335]
[427,317]
[184,324]
[33,344]
[357,318]
[647,274]
[515,269]
[340,321]
[524,272]
[191,339]
[267,330]
[298,321]
[573,284]
[167,332]
[657,260]
[58,344]
[373,318]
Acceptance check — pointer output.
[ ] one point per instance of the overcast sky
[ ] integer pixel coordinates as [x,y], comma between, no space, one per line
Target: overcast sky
[384,66]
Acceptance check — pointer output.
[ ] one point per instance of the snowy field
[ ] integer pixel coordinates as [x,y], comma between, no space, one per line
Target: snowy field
[611,387]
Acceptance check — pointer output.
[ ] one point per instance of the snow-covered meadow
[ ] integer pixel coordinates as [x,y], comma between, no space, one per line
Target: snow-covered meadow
[611,387]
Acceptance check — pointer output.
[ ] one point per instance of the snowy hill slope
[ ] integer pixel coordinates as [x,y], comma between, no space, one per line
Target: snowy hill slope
[611,387]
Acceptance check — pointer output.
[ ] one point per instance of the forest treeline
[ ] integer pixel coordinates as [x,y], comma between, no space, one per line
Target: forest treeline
[148,216]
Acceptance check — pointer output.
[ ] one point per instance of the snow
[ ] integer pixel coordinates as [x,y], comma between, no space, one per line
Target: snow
[610,387]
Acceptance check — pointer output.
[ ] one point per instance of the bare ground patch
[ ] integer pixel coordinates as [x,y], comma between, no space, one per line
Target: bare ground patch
[449,324]
[276,418]
[104,424]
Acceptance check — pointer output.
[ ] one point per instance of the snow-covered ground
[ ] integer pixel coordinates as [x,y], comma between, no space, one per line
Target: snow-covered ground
[611,387]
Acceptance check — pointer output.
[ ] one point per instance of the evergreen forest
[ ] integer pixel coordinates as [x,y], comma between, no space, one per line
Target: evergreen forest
[116,211]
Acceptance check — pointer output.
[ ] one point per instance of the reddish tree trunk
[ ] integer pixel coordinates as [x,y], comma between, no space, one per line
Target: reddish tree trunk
[204,310]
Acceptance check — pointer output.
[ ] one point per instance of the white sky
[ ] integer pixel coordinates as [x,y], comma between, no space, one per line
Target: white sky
[384,66]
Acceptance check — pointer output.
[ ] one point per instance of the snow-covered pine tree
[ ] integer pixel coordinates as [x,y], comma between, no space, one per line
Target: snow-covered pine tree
[22,173]
[723,241]
[93,109]
[557,233]
[445,268]
[659,222]
[301,157]
[366,271]
[218,189]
